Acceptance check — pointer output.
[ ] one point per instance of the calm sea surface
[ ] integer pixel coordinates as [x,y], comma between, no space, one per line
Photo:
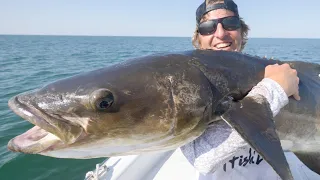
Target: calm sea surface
[28,62]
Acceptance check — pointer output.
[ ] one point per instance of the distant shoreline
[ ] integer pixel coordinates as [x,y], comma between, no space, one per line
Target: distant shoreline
[52,35]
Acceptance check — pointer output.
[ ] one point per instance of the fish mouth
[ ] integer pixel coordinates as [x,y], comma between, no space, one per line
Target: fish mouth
[49,132]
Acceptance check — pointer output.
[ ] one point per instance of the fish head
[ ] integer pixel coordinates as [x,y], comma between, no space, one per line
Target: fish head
[148,104]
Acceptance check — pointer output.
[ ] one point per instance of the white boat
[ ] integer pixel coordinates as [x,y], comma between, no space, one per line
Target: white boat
[170,165]
[151,166]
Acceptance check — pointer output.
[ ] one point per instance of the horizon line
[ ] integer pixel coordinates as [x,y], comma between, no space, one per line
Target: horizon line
[153,36]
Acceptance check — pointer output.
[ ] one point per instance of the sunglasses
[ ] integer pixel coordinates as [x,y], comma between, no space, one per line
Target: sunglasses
[229,23]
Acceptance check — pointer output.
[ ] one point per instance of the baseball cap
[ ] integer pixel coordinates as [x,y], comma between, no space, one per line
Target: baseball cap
[227,4]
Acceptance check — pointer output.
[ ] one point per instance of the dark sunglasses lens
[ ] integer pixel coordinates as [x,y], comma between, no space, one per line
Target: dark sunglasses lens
[231,23]
[207,27]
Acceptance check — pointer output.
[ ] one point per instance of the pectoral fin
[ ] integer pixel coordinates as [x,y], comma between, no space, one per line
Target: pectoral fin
[253,121]
[311,160]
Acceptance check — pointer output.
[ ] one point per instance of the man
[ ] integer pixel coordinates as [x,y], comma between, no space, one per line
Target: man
[220,153]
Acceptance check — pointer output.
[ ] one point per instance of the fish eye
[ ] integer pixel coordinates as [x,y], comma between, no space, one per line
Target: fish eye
[101,99]
[104,103]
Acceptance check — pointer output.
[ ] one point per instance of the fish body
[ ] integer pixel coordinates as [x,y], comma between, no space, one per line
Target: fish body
[161,102]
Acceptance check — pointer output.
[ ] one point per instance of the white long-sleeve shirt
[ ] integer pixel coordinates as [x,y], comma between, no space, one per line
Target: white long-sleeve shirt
[221,153]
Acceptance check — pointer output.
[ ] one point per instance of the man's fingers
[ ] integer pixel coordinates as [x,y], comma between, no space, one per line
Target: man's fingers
[296,96]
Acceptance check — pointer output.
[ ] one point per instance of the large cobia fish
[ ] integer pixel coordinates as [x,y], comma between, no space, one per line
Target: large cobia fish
[161,102]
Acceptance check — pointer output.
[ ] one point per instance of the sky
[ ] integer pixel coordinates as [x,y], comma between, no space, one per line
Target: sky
[266,18]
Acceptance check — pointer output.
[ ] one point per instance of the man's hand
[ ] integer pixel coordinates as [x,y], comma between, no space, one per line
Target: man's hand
[286,77]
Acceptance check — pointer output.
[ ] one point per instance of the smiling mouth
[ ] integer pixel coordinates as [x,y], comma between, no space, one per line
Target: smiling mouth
[45,135]
[223,45]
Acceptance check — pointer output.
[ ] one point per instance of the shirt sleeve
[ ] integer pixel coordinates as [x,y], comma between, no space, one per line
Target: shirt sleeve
[273,92]
[220,142]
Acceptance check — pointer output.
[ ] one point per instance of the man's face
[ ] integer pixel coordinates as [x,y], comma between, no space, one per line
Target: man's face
[221,39]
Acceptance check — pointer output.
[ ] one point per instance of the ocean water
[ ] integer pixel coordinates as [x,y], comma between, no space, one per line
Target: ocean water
[29,62]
